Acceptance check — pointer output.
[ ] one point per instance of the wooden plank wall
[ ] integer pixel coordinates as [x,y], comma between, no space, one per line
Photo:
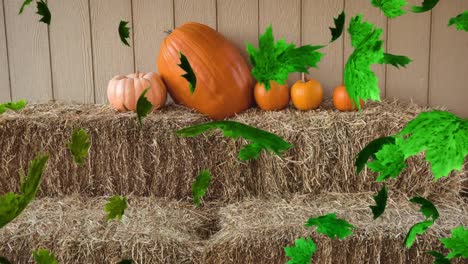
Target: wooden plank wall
[74,58]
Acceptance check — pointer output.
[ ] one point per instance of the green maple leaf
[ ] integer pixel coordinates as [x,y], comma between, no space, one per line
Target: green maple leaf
[460,21]
[260,139]
[115,207]
[44,256]
[12,204]
[126,261]
[331,226]
[4,260]
[395,60]
[427,5]
[439,258]
[201,184]
[370,150]
[417,229]
[391,8]
[43,10]
[301,252]
[144,107]
[79,145]
[14,106]
[24,5]
[124,32]
[380,203]
[389,162]
[337,31]
[458,243]
[189,73]
[428,209]
[274,61]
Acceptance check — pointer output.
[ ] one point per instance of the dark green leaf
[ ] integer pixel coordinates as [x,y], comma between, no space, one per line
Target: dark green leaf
[380,203]
[339,26]
[458,243]
[428,209]
[115,207]
[426,6]
[189,73]
[201,184]
[124,32]
[391,8]
[395,60]
[260,139]
[369,151]
[417,229]
[43,10]
[44,256]
[331,226]
[144,107]
[24,5]
[301,252]
[126,261]
[460,21]
[439,258]
[79,145]
[14,106]
[4,260]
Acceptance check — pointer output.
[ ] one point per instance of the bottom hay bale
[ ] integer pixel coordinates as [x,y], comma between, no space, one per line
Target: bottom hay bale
[256,231]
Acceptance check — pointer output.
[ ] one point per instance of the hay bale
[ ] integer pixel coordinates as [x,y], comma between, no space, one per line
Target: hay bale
[154,161]
[76,230]
[256,231]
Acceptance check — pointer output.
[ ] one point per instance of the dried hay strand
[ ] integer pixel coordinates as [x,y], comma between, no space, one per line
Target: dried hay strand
[256,231]
[76,231]
[153,160]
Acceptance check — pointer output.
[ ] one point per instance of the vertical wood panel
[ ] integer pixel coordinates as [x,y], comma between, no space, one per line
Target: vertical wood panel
[70,42]
[150,18]
[202,11]
[111,56]
[409,35]
[238,21]
[28,51]
[318,17]
[4,72]
[285,17]
[375,16]
[449,60]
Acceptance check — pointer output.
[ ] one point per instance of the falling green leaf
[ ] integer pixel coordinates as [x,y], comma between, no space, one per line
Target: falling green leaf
[389,162]
[275,61]
[115,207]
[14,106]
[201,184]
[79,145]
[427,5]
[417,229]
[458,243]
[124,32]
[301,252]
[395,60]
[189,73]
[12,204]
[260,139]
[380,203]
[24,5]
[43,10]
[369,151]
[4,260]
[339,26]
[144,107]
[439,258]
[44,256]
[331,226]
[460,21]
[428,209]
[126,261]
[391,8]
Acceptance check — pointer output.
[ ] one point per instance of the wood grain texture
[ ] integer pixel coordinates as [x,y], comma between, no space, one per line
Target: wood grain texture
[111,57]
[70,42]
[238,21]
[409,35]
[150,18]
[449,60]
[4,71]
[28,51]
[202,11]
[375,16]
[285,17]
[317,18]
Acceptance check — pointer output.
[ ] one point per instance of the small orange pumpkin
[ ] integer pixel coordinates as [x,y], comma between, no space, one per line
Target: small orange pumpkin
[342,101]
[307,95]
[276,98]
[123,91]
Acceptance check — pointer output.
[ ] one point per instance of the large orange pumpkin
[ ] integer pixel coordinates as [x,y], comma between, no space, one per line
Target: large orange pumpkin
[123,91]
[224,83]
[342,101]
[276,98]
[307,95]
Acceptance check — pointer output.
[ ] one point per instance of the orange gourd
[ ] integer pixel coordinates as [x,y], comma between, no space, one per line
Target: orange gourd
[224,83]
[307,95]
[123,91]
[276,98]
[342,101]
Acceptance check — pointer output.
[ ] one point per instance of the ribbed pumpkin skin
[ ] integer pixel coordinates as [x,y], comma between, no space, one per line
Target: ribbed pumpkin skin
[307,95]
[276,98]
[342,101]
[224,83]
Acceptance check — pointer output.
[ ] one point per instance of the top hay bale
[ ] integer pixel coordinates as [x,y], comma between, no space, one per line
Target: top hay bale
[153,160]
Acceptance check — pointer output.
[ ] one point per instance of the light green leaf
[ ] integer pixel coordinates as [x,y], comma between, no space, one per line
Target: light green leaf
[44,256]
[370,150]
[14,106]
[201,184]
[395,60]
[389,162]
[380,203]
[391,8]
[115,207]
[417,229]
[331,226]
[144,107]
[460,21]
[79,145]
[260,139]
[428,209]
[189,73]
[458,243]
[24,5]
[43,11]
[337,31]
[124,32]
[439,258]
[427,5]
[301,252]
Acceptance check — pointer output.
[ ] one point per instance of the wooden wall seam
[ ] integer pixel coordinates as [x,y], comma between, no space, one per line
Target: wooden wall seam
[93,74]
[6,78]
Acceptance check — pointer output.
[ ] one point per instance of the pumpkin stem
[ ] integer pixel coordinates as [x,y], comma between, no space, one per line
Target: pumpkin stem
[303,77]
[168,32]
